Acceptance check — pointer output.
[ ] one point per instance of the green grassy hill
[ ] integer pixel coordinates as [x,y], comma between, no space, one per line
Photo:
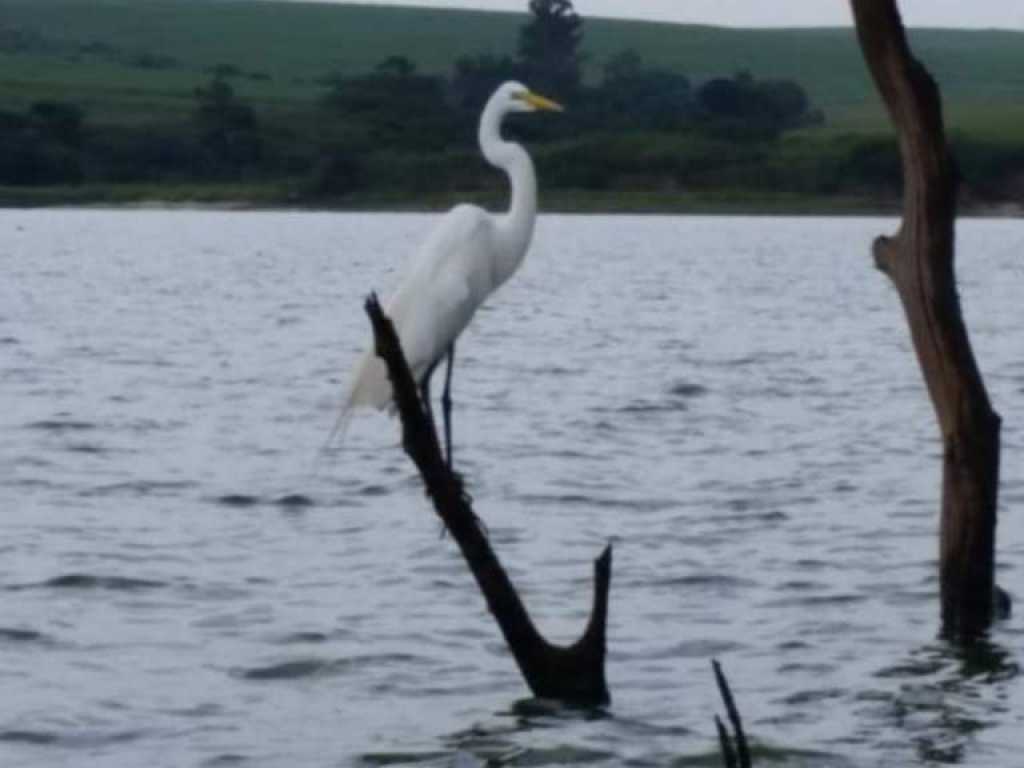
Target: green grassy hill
[128,60]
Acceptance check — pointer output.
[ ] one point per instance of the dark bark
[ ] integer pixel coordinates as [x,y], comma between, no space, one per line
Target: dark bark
[573,674]
[920,261]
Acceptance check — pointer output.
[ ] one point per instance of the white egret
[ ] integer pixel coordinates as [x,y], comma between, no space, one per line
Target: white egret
[469,254]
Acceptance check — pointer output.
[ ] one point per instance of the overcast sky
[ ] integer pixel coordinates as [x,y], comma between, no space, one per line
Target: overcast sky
[1006,14]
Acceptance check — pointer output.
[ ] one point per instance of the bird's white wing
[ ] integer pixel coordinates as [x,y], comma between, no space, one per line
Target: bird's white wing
[450,278]
[442,286]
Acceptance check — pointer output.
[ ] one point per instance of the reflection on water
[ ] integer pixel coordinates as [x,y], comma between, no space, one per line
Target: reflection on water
[947,698]
[734,402]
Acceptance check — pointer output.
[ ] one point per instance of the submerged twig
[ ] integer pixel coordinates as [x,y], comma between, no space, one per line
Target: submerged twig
[738,757]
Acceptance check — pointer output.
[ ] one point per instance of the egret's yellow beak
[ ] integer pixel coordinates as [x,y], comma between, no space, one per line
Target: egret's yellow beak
[539,102]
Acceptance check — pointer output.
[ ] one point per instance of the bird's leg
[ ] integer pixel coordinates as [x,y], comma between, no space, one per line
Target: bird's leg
[446,408]
[446,404]
[425,392]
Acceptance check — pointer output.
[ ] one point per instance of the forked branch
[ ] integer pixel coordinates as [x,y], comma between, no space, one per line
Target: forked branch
[572,674]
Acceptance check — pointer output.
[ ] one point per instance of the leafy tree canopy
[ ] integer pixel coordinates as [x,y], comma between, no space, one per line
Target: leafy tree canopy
[549,48]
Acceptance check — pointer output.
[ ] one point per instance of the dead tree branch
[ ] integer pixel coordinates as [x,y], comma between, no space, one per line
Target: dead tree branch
[919,259]
[572,674]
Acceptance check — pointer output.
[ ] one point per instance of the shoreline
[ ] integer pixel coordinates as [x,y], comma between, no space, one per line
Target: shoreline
[622,202]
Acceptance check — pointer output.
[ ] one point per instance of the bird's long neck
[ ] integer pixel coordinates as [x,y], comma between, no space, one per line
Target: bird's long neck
[515,228]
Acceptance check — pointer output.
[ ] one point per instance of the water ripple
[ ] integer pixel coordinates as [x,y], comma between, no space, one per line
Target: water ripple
[62,425]
[165,488]
[31,636]
[402,758]
[317,668]
[88,581]
[756,436]
[228,758]
[29,737]
[237,500]
[291,501]
[70,739]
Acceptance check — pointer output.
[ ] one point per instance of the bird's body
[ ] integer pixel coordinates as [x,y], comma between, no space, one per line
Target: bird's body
[444,285]
[467,256]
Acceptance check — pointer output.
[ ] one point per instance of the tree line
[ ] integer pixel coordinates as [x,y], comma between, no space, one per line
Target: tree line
[396,134]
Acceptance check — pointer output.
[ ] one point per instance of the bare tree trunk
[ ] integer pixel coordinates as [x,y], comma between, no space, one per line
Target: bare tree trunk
[919,260]
[573,674]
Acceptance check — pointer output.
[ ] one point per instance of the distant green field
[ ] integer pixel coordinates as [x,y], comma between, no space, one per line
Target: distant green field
[133,60]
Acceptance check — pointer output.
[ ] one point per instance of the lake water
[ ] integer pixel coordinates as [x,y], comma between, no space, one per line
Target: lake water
[733,401]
